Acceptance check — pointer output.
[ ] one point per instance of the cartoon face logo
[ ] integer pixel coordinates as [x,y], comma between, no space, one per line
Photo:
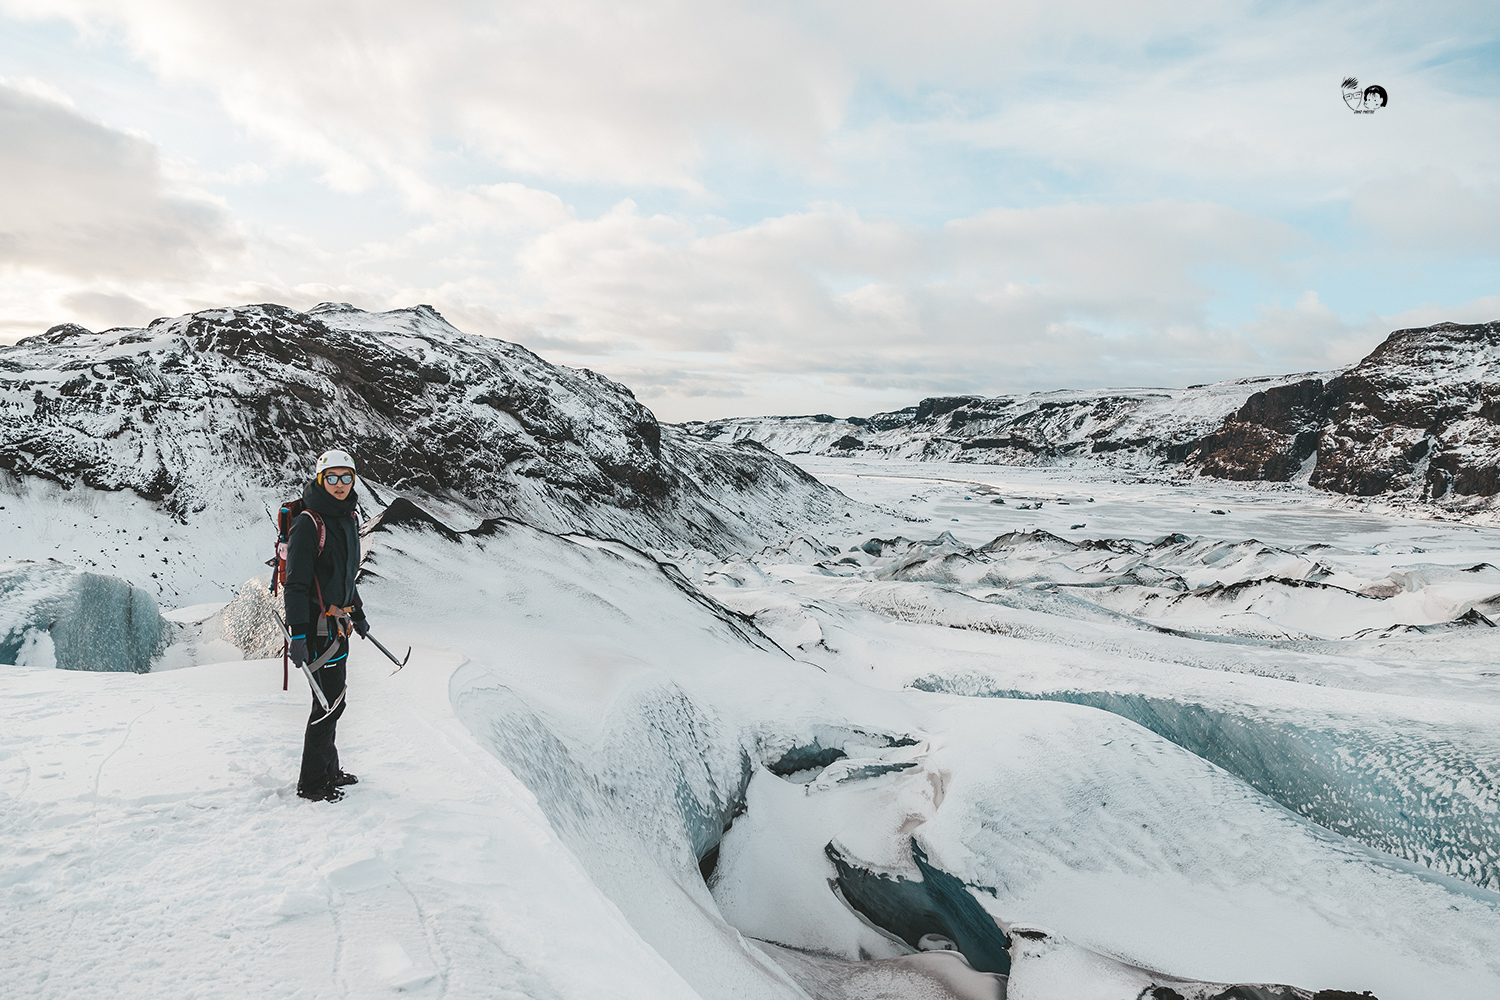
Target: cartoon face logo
[1363,102]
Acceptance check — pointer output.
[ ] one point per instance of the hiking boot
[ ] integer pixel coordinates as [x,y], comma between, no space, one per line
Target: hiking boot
[327,793]
[344,778]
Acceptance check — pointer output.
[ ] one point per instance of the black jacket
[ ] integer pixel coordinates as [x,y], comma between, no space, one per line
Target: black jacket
[331,573]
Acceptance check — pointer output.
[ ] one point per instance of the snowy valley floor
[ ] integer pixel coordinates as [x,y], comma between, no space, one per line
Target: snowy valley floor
[1109,747]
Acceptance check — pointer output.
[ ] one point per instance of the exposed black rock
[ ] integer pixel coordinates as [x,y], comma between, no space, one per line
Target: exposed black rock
[1419,417]
[1270,437]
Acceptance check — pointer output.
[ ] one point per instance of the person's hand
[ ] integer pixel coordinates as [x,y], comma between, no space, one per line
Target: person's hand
[362,627]
[298,650]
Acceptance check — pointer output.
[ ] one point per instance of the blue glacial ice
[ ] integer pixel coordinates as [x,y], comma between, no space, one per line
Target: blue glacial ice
[1422,792]
[55,615]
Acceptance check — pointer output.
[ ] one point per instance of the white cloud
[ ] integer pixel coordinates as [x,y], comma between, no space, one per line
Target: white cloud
[571,89]
[1432,211]
[107,309]
[82,199]
[1237,102]
[587,90]
[1039,298]
[1130,263]
[1124,164]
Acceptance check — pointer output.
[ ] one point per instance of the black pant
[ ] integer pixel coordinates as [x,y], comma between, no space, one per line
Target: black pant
[320,758]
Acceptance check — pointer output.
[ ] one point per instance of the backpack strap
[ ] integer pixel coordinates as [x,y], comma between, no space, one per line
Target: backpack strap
[322,531]
[322,537]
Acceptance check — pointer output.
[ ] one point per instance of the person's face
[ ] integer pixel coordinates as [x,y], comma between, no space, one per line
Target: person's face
[1372,100]
[338,482]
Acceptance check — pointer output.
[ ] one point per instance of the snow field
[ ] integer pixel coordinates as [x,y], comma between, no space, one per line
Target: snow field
[119,534]
[1146,506]
[635,737]
[545,785]
[155,847]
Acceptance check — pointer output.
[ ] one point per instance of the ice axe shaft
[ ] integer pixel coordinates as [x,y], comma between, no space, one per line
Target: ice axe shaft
[308,671]
[399,663]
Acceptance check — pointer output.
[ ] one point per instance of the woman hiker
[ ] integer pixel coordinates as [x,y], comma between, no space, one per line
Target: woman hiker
[323,609]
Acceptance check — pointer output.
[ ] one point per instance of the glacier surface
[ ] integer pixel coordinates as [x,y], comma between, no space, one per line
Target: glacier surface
[892,760]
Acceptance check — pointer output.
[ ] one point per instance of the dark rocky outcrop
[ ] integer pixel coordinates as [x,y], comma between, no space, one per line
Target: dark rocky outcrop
[1126,427]
[1268,438]
[1419,417]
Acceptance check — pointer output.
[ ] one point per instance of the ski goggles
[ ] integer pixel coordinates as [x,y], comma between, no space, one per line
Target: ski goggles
[343,477]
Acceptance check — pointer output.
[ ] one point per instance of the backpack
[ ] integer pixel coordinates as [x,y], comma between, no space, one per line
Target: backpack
[288,513]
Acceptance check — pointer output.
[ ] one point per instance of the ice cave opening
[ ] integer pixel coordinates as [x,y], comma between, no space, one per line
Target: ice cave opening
[939,905]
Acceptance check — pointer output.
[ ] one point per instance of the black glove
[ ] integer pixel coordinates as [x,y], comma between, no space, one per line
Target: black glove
[298,650]
[362,627]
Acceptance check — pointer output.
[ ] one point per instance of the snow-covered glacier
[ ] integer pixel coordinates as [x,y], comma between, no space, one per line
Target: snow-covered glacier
[786,773]
[718,788]
[854,730]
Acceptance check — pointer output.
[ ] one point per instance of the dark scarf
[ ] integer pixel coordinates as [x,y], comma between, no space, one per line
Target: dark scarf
[339,524]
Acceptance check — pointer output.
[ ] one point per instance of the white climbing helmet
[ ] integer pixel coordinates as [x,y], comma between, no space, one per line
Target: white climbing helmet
[335,459]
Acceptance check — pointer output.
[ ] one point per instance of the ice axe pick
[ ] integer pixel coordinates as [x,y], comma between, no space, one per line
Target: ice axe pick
[389,655]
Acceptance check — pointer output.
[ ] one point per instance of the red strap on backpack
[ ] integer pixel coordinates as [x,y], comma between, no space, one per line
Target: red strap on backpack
[289,513]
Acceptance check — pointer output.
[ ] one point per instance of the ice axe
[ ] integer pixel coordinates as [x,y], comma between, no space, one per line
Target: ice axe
[399,663]
[316,665]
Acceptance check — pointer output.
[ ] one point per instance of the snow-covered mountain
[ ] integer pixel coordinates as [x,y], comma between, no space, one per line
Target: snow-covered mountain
[190,411]
[1142,428]
[1418,419]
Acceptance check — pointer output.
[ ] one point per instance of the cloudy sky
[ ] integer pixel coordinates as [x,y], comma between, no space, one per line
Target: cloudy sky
[768,207]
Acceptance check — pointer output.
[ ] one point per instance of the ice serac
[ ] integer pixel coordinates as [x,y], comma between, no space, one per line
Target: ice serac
[1427,794]
[249,621]
[52,614]
[247,395]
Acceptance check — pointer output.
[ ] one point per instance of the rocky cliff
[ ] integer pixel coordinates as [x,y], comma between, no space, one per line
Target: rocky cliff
[1418,418]
[1136,428]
